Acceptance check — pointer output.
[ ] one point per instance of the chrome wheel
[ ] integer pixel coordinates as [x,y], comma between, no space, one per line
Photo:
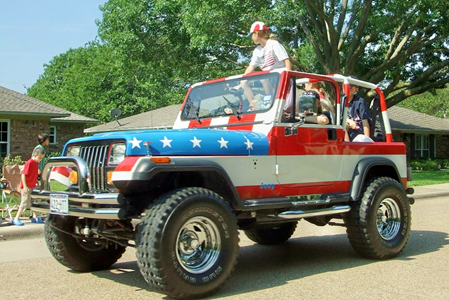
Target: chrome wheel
[388,219]
[188,243]
[379,225]
[198,245]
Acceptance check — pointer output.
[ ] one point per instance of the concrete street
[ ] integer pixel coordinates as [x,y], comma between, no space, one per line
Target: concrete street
[317,263]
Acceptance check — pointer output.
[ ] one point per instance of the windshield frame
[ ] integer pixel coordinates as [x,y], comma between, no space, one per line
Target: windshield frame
[230,97]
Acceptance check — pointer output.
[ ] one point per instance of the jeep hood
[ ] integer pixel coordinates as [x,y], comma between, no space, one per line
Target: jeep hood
[186,142]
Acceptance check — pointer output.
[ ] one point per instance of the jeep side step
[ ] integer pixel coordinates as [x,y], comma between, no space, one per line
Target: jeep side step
[296,201]
[300,214]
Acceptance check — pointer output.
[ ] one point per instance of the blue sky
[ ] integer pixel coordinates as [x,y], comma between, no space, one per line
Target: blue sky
[32,32]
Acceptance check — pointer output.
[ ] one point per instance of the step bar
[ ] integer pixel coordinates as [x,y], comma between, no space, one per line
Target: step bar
[300,214]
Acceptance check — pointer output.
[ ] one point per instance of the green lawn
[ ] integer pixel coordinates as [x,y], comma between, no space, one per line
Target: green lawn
[55,186]
[421,178]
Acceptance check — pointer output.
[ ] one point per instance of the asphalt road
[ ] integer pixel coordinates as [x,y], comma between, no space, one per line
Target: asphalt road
[317,263]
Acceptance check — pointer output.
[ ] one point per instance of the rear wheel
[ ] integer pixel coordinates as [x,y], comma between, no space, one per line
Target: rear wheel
[188,243]
[78,253]
[272,234]
[379,225]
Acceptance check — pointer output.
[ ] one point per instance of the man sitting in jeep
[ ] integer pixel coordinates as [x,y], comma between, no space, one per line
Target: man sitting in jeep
[358,115]
[309,104]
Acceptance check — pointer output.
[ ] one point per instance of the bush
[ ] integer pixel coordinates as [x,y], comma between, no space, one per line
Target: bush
[51,154]
[429,164]
[9,160]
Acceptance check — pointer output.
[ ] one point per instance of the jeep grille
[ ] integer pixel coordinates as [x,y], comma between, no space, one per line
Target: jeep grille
[96,158]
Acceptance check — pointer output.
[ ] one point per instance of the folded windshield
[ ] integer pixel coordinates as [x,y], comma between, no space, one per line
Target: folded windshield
[233,97]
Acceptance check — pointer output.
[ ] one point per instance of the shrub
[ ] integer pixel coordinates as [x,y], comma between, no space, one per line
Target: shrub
[51,154]
[9,160]
[429,164]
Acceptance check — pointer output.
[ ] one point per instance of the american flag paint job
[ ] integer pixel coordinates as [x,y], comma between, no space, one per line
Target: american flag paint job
[263,156]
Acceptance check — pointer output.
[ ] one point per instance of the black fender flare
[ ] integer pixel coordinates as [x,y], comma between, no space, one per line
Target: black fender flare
[145,170]
[364,168]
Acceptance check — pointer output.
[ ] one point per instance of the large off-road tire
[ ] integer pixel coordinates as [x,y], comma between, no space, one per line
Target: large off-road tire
[272,234]
[75,253]
[188,243]
[379,225]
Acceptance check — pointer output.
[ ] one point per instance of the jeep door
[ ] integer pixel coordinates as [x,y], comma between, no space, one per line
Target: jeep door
[309,156]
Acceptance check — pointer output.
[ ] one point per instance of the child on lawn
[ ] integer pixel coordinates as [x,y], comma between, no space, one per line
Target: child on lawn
[27,183]
[43,140]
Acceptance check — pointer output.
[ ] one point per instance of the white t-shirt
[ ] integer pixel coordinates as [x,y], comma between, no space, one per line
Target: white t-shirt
[270,57]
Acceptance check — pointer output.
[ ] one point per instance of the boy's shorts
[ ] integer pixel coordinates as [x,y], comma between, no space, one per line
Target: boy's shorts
[25,199]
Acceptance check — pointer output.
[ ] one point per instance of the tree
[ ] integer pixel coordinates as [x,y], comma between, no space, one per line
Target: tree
[433,103]
[193,40]
[400,45]
[94,79]
[150,51]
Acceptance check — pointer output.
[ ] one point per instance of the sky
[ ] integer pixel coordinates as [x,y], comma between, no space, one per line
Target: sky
[32,32]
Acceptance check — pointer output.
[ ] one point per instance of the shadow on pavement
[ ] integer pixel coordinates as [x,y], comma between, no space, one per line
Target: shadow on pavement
[126,273]
[264,267]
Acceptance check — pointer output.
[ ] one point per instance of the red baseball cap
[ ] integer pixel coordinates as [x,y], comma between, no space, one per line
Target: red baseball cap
[257,26]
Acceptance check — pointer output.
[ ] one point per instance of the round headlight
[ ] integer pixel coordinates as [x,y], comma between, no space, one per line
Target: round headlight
[73,151]
[117,153]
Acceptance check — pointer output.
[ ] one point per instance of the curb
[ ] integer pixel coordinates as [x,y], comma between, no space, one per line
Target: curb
[29,230]
[431,191]
[430,195]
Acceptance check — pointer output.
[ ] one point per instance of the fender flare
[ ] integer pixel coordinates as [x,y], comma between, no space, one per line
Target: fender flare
[361,173]
[146,170]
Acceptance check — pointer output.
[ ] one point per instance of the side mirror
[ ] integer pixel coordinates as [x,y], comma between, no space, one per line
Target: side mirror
[306,106]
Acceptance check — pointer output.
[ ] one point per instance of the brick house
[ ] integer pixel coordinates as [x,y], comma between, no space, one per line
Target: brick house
[22,118]
[424,135]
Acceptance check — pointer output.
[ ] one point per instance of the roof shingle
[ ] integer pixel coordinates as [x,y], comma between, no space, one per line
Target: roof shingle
[406,119]
[163,117]
[14,103]
[400,119]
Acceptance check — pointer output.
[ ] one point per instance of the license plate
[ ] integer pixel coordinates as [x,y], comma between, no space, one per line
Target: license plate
[59,204]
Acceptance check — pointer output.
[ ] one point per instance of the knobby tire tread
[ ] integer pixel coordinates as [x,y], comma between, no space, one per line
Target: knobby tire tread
[65,249]
[364,240]
[149,257]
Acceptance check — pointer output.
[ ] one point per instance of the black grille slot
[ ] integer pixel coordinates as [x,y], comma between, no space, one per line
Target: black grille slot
[96,158]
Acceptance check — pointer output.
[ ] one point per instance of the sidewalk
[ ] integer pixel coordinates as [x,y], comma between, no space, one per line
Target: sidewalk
[27,231]
[431,191]
[32,230]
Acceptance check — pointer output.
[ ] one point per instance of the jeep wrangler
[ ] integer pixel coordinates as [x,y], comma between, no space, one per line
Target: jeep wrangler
[240,156]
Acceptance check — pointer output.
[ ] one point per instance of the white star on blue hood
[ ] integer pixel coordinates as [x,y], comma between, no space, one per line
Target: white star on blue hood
[196,142]
[166,142]
[135,143]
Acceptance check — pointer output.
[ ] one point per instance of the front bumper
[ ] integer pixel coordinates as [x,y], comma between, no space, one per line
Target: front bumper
[82,203]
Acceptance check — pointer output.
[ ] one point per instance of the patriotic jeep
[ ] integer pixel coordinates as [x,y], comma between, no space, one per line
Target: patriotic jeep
[240,156]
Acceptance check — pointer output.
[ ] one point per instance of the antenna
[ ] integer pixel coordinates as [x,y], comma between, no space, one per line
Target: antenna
[115,113]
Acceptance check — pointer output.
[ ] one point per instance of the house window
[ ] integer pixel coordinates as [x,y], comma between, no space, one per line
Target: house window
[422,145]
[53,135]
[4,138]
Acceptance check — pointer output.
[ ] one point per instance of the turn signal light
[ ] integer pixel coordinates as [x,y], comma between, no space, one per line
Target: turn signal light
[109,175]
[160,160]
[73,177]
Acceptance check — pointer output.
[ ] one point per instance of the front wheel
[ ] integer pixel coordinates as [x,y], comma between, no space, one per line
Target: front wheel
[188,243]
[379,225]
[75,252]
